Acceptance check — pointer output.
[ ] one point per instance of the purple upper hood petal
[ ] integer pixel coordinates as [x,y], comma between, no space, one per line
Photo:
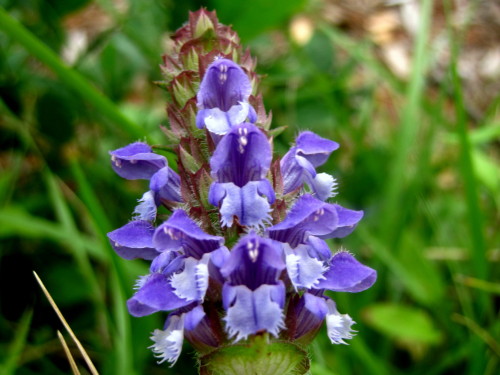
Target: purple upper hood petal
[346,274]
[308,216]
[180,232]
[242,155]
[315,148]
[134,240]
[254,261]
[136,161]
[224,84]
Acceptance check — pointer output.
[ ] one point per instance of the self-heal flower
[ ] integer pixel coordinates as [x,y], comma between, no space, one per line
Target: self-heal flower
[341,273]
[253,295]
[298,166]
[239,166]
[175,281]
[179,274]
[190,321]
[138,161]
[223,97]
[310,311]
[310,216]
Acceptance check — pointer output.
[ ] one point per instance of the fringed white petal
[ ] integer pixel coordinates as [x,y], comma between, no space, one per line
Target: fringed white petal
[324,186]
[338,325]
[168,343]
[192,282]
[304,271]
[146,209]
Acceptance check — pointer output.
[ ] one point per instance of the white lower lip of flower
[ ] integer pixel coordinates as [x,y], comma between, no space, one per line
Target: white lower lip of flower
[338,325]
[168,343]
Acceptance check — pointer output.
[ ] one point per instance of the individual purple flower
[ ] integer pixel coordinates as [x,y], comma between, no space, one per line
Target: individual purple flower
[174,281]
[179,274]
[307,315]
[190,321]
[310,216]
[299,164]
[138,161]
[253,295]
[223,97]
[341,273]
[239,166]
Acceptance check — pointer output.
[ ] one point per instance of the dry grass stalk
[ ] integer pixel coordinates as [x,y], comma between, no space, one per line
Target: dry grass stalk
[71,360]
[77,342]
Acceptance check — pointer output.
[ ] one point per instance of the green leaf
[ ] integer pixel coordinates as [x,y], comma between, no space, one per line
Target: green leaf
[17,345]
[404,323]
[71,78]
[487,171]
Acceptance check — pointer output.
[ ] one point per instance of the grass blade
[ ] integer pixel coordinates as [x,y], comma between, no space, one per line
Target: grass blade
[68,76]
[391,226]
[16,347]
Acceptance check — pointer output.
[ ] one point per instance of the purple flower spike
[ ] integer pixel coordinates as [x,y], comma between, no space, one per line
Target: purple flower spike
[308,216]
[134,240]
[243,155]
[253,295]
[299,164]
[346,274]
[136,161]
[179,232]
[223,97]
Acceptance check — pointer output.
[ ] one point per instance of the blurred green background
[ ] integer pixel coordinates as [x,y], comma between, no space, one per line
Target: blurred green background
[410,89]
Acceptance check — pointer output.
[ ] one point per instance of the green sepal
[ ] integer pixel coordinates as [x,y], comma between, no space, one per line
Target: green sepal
[277,131]
[187,160]
[172,138]
[203,24]
[204,182]
[259,356]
